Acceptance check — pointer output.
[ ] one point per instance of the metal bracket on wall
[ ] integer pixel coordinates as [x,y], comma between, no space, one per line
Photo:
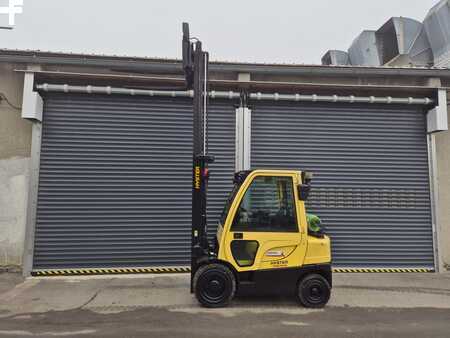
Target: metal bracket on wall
[243,138]
[437,118]
[32,103]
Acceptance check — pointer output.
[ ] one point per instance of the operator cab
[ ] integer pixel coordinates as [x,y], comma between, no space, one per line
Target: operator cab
[269,204]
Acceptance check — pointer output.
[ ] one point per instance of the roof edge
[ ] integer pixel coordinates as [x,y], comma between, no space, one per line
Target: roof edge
[173,66]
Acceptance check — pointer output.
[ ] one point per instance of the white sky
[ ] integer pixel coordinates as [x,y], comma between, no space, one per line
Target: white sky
[288,31]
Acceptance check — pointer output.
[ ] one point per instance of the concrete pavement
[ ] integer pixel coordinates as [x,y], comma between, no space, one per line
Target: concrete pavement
[161,305]
[8,280]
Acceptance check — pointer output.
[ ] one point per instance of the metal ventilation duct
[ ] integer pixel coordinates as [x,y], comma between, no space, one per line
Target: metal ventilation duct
[403,41]
[336,58]
[364,51]
[437,27]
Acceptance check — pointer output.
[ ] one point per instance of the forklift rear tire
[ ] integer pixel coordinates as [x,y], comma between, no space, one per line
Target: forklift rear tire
[313,291]
[214,285]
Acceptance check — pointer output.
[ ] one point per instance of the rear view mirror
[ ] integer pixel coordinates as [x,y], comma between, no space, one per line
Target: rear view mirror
[303,191]
[305,187]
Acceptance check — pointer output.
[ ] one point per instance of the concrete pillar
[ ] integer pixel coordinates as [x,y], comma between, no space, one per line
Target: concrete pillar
[442,140]
[15,143]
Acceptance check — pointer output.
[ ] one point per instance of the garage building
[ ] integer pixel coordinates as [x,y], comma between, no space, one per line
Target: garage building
[110,157]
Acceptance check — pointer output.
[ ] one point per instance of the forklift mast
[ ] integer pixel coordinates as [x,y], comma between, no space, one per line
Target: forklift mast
[195,66]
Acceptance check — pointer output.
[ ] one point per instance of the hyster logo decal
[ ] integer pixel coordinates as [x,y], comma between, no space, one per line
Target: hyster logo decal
[197,178]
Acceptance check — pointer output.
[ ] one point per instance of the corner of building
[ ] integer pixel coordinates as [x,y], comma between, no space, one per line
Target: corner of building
[15,145]
[443,177]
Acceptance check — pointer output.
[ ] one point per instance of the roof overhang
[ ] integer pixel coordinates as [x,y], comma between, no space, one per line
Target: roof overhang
[173,67]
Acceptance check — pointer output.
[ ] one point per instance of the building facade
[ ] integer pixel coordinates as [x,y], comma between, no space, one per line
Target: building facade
[96,157]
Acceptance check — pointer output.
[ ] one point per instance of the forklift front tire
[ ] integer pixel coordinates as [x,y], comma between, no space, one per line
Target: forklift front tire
[214,285]
[313,291]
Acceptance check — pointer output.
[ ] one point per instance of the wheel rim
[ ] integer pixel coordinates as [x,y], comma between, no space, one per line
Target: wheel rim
[314,291]
[213,287]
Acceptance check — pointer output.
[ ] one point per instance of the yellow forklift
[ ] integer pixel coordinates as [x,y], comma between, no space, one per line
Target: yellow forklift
[263,242]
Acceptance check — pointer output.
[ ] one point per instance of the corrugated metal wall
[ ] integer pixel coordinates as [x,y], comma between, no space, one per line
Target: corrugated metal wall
[115,179]
[221,144]
[371,184]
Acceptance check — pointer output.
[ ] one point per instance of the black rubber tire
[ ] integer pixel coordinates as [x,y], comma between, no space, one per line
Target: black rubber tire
[214,285]
[313,291]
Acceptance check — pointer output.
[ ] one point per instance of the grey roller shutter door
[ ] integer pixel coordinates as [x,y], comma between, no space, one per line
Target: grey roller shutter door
[371,183]
[115,181]
[221,144]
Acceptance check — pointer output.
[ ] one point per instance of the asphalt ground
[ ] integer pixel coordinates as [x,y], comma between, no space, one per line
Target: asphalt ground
[362,305]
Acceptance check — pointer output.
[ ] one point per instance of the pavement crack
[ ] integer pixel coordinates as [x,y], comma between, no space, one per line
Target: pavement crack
[89,300]
[94,295]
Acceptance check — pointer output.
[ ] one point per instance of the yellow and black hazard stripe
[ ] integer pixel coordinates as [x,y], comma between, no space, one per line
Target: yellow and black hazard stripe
[109,271]
[382,270]
[184,269]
